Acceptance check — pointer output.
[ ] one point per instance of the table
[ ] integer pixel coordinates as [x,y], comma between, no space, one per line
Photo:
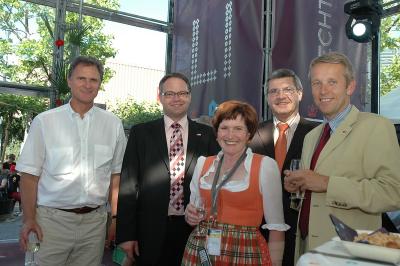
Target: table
[333,253]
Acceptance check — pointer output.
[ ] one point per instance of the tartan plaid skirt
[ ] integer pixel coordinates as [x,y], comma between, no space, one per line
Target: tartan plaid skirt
[240,245]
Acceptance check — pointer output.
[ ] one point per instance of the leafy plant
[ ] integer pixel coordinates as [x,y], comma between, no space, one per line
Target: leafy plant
[132,112]
[390,39]
[15,112]
[26,55]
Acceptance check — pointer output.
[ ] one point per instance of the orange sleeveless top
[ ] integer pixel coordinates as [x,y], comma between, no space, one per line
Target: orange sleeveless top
[242,207]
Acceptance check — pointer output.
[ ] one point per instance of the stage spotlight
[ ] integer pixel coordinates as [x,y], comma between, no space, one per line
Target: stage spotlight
[364,19]
[359,30]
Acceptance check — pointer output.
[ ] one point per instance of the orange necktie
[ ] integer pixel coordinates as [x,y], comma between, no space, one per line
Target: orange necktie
[281,145]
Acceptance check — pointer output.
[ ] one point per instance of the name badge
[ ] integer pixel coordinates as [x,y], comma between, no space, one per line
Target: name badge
[214,241]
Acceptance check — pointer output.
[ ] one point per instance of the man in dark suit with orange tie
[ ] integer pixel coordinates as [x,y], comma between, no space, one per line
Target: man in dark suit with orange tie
[158,165]
[282,139]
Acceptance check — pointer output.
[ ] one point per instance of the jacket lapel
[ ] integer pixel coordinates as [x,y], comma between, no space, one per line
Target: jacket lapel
[266,135]
[340,134]
[296,142]
[194,137]
[161,141]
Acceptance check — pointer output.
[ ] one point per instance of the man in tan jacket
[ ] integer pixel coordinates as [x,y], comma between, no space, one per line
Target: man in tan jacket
[355,176]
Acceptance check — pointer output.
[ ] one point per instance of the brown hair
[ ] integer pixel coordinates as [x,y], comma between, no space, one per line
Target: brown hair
[173,75]
[231,109]
[86,61]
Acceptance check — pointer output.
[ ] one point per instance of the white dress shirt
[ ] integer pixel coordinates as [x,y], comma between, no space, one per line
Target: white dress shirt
[293,122]
[74,157]
[269,180]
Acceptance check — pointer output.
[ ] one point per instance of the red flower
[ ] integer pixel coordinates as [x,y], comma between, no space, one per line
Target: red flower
[58,102]
[59,43]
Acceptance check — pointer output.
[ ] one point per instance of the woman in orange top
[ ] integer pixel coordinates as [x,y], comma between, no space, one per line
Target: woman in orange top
[238,188]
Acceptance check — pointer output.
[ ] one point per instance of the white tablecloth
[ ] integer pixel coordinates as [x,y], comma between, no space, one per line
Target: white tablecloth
[333,253]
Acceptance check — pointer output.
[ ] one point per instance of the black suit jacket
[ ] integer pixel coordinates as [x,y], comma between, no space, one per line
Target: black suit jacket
[145,183]
[263,143]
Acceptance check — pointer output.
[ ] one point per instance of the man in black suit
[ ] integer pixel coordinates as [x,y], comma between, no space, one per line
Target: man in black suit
[284,95]
[150,220]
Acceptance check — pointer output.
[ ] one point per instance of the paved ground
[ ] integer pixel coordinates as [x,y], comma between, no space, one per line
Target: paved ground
[10,253]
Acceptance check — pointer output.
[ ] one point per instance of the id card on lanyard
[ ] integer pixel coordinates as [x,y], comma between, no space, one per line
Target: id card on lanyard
[214,235]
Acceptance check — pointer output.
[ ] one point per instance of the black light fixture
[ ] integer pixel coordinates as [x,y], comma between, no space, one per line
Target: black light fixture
[364,19]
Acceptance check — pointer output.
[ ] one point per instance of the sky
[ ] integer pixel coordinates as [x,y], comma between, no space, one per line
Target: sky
[138,46]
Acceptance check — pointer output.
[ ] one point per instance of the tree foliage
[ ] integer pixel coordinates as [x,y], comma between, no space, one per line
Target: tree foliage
[390,39]
[15,113]
[27,40]
[132,112]
[26,56]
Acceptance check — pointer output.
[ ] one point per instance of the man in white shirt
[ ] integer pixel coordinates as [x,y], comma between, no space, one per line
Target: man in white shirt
[70,167]
[284,95]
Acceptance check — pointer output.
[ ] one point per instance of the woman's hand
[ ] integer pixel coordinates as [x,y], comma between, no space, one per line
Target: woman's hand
[191,215]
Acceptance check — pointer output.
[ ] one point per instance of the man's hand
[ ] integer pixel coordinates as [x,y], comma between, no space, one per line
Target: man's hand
[305,180]
[130,248]
[111,233]
[27,227]
[28,186]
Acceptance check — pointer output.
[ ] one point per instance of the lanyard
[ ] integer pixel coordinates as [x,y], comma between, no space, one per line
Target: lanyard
[216,188]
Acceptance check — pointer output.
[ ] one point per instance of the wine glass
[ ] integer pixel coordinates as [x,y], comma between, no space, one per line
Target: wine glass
[199,203]
[200,207]
[32,247]
[298,195]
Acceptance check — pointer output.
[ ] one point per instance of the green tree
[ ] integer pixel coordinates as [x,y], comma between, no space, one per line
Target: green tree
[132,112]
[390,39]
[15,113]
[27,40]
[26,54]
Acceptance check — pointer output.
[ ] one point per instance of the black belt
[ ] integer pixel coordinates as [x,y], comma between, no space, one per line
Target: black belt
[81,210]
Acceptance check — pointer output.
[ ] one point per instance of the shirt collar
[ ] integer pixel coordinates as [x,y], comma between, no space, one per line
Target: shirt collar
[247,161]
[335,122]
[292,122]
[168,122]
[73,113]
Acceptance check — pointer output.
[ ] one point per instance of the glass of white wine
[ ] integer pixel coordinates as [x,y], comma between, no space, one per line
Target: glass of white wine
[298,195]
[199,203]
[32,247]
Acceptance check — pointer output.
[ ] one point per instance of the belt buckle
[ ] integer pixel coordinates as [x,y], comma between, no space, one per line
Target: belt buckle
[83,210]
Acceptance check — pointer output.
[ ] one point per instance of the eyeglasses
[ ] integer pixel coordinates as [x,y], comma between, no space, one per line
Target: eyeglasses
[286,91]
[171,94]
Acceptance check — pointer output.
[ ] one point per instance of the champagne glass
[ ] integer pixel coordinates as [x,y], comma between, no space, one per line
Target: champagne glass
[200,207]
[298,195]
[199,203]
[32,247]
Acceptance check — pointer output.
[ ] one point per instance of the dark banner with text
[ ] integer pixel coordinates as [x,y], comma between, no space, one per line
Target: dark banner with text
[304,30]
[218,45]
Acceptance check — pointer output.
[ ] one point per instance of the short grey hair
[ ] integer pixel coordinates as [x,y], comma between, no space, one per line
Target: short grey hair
[286,73]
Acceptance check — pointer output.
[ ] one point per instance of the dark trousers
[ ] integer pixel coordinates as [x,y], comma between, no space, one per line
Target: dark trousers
[178,232]
[290,237]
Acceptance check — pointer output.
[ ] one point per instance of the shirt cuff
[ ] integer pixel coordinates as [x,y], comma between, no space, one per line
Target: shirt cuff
[276,227]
